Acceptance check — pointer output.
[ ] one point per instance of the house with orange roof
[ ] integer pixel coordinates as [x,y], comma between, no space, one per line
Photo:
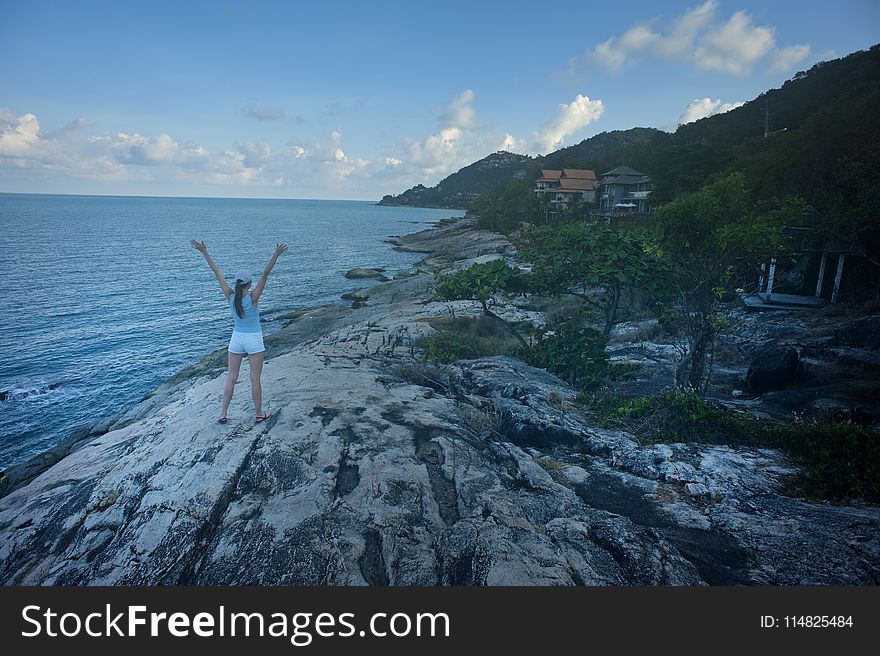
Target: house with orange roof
[560,187]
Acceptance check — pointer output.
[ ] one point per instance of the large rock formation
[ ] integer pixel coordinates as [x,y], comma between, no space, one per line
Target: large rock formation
[375,469]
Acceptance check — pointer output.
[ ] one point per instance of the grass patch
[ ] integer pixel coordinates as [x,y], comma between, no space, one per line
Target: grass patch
[482,421]
[466,338]
[837,459]
[551,464]
[424,375]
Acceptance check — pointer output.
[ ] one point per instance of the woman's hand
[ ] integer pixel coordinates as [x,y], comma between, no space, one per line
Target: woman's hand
[280,248]
[199,246]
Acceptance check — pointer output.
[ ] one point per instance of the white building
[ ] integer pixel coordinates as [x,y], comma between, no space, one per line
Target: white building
[624,190]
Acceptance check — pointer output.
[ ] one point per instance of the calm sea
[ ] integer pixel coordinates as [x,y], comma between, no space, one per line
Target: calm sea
[104,298]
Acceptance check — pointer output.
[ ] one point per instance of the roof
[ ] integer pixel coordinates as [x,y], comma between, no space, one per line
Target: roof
[625,179]
[550,174]
[623,170]
[576,184]
[582,174]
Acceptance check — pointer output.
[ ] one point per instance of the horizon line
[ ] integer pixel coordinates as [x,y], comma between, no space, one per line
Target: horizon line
[44,193]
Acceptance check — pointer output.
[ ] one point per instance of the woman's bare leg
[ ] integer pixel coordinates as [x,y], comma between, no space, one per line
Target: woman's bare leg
[256,364]
[233,368]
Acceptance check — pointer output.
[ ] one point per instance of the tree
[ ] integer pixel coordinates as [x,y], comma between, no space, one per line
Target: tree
[711,239]
[592,260]
[483,282]
[487,212]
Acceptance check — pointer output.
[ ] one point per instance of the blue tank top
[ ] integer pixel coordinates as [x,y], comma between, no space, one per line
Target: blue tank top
[251,321]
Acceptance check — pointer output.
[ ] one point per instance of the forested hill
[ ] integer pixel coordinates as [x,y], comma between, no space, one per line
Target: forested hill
[458,189]
[822,126]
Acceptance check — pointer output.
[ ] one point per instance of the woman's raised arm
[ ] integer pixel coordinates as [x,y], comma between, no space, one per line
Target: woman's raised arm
[201,248]
[258,290]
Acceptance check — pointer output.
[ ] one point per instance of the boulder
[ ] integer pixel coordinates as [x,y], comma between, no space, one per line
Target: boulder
[356,295]
[359,272]
[861,333]
[772,368]
[861,360]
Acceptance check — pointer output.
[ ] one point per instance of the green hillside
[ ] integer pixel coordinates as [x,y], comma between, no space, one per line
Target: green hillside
[822,136]
[459,189]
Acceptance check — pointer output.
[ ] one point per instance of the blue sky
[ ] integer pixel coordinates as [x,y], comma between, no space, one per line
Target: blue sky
[355,100]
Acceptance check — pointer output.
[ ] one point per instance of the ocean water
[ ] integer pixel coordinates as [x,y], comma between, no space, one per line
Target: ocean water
[104,298]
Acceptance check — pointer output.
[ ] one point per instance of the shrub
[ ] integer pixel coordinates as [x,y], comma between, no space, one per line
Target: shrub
[839,459]
[573,352]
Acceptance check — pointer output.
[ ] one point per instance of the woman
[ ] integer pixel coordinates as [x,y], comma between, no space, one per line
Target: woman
[247,335]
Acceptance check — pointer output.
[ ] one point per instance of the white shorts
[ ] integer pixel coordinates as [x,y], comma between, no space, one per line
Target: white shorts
[249,343]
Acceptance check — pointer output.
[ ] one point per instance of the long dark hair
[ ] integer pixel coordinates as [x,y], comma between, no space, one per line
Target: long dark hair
[239,293]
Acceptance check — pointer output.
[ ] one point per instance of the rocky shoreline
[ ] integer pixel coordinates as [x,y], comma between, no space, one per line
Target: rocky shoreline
[375,470]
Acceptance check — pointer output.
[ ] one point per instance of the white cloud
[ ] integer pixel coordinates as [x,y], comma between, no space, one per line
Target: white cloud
[255,154]
[610,56]
[648,37]
[452,146]
[69,129]
[511,144]
[329,150]
[684,30]
[703,107]
[459,112]
[138,149]
[195,157]
[784,59]
[19,135]
[736,46]
[229,168]
[323,167]
[458,143]
[349,167]
[569,118]
[298,152]
[123,155]
[439,153]
[698,37]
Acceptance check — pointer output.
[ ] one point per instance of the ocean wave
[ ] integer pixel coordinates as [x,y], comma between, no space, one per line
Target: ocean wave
[21,393]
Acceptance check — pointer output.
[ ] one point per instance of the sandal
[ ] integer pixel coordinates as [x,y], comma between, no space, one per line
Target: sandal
[263,417]
[222,420]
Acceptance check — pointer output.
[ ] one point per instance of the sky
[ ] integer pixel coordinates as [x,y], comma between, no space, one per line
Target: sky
[355,100]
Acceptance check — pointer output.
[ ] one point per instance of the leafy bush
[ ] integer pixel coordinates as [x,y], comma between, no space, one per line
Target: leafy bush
[676,416]
[480,281]
[839,459]
[573,352]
